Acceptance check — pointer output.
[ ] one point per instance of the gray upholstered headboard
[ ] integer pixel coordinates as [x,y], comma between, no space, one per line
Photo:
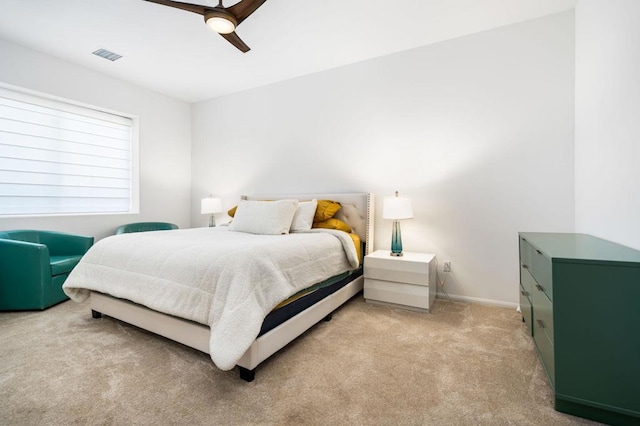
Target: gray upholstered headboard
[357,210]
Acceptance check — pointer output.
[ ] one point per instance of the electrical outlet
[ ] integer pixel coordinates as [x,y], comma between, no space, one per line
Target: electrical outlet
[446,267]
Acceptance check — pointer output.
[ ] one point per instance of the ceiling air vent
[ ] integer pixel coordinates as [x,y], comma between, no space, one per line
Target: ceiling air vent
[104,53]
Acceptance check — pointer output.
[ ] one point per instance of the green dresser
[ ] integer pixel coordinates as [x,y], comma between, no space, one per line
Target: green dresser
[580,298]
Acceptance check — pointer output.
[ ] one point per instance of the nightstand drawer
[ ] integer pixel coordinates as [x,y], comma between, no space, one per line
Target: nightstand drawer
[398,293]
[408,277]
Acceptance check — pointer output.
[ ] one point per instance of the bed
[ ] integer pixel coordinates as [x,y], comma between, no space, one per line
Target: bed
[228,337]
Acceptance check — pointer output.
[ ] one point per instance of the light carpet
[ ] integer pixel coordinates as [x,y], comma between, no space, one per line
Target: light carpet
[462,364]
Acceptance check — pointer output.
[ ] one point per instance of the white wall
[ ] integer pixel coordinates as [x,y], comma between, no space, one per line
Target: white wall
[608,119]
[165,138]
[477,130]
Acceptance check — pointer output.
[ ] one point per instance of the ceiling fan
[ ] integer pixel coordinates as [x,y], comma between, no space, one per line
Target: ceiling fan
[220,19]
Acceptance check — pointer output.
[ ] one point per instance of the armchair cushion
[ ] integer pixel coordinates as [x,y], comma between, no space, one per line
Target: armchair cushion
[63,264]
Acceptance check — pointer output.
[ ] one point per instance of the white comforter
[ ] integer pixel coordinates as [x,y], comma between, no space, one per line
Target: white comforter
[227,280]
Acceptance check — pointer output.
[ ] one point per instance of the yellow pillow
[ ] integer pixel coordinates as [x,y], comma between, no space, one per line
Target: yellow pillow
[326,210]
[333,223]
[356,242]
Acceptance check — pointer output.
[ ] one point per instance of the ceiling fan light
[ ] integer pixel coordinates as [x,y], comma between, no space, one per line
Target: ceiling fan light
[220,23]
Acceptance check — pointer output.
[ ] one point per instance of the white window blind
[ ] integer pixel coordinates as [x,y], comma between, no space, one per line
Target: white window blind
[62,158]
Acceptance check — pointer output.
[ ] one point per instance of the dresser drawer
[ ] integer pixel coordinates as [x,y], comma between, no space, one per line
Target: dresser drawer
[545,349]
[526,280]
[525,307]
[526,251]
[538,264]
[542,272]
[542,312]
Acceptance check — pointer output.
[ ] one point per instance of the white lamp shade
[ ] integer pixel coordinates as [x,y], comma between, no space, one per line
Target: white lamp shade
[210,205]
[397,208]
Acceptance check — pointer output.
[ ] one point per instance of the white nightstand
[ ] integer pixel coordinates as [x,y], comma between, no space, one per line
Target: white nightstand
[407,281]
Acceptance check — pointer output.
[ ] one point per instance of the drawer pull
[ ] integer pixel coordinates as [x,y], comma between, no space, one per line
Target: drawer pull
[538,251]
[525,266]
[539,287]
[540,323]
[524,293]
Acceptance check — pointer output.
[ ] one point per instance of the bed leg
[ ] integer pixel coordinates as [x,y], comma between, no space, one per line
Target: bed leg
[96,314]
[328,317]
[246,374]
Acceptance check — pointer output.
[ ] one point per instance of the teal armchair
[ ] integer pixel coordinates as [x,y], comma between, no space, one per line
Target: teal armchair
[34,265]
[145,226]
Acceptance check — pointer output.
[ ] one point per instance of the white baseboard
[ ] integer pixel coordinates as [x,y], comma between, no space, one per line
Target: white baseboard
[478,301]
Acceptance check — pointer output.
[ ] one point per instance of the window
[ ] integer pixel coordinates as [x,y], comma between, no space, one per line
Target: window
[58,157]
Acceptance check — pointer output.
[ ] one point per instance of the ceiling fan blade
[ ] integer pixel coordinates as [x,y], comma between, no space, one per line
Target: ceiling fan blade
[244,8]
[236,41]
[195,8]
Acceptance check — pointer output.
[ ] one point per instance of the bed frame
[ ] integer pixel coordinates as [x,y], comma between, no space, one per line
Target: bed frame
[357,211]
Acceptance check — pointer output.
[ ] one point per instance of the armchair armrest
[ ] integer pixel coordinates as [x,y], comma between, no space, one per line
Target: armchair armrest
[23,263]
[61,244]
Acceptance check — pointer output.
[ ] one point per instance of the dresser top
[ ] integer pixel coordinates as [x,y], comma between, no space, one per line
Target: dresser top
[576,247]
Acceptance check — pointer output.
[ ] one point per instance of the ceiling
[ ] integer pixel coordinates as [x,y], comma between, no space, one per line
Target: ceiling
[173,52]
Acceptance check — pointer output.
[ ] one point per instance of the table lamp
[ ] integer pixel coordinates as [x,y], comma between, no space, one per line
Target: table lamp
[211,206]
[396,208]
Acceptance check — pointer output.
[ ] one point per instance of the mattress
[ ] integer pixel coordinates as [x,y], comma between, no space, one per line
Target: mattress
[306,298]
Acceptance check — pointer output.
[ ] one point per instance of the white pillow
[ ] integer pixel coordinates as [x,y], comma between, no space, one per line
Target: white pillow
[264,217]
[303,219]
